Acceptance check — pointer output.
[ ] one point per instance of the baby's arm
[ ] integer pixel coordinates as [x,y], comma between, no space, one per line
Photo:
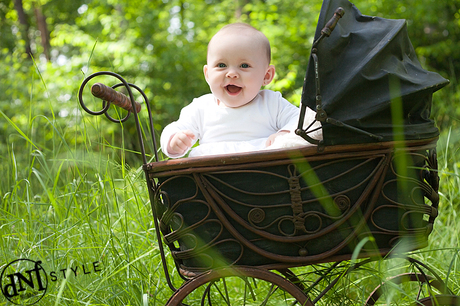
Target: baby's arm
[272,137]
[180,142]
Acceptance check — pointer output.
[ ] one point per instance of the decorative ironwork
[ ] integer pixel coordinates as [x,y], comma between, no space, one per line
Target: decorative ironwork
[256,215]
[343,202]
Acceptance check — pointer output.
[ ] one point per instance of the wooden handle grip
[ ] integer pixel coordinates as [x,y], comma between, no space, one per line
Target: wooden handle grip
[109,94]
[330,25]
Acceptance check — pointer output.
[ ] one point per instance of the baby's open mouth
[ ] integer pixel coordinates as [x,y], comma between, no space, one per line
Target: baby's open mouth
[233,89]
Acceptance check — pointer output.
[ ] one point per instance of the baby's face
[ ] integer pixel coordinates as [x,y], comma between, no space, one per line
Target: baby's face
[237,68]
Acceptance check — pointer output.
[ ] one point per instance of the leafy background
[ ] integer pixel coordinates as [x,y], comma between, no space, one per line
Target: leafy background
[161,47]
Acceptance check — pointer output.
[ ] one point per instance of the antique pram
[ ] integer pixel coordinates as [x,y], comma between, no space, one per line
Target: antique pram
[368,190]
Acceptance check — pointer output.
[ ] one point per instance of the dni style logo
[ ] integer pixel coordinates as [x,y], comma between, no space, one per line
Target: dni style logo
[24,282]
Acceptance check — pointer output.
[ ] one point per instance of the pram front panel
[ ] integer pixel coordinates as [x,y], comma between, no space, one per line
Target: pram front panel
[296,207]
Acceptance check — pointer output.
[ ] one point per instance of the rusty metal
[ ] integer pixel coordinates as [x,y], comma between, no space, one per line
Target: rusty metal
[441,299]
[403,278]
[215,200]
[134,105]
[213,275]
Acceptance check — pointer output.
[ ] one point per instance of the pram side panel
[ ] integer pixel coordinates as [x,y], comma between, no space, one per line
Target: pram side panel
[297,211]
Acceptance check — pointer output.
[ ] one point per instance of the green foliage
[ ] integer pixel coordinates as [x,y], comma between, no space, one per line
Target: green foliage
[161,45]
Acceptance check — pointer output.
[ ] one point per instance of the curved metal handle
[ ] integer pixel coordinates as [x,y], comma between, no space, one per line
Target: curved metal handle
[109,94]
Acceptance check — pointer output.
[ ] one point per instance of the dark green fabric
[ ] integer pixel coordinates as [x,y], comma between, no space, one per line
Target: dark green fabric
[358,63]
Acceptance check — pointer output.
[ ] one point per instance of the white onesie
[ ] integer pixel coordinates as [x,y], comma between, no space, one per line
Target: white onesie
[222,130]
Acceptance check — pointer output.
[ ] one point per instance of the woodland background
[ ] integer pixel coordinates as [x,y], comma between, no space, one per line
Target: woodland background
[161,47]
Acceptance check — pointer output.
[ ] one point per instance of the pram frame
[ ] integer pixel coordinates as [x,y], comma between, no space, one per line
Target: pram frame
[287,281]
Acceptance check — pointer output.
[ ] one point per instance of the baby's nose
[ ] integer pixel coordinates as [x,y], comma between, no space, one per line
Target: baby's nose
[232,74]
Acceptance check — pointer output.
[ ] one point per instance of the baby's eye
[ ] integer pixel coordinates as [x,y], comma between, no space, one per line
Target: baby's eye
[244,65]
[221,65]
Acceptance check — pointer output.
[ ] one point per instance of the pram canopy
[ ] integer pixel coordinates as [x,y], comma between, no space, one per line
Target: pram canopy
[366,66]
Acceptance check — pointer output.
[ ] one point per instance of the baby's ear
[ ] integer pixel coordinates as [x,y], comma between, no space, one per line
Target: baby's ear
[269,75]
[205,72]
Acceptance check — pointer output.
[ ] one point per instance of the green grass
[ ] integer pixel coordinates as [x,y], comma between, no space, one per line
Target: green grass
[71,200]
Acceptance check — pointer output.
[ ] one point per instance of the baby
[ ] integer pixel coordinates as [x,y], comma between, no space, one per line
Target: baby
[237,116]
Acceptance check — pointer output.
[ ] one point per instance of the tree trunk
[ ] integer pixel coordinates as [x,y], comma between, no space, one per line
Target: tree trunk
[23,25]
[43,28]
[238,9]
[239,5]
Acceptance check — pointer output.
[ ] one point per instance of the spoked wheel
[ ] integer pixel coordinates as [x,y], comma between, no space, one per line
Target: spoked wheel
[440,300]
[397,291]
[239,286]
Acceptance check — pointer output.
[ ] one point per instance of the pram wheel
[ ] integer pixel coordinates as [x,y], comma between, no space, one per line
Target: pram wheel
[440,300]
[239,286]
[426,290]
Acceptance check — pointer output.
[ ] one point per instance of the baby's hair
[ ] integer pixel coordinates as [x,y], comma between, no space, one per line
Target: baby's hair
[240,27]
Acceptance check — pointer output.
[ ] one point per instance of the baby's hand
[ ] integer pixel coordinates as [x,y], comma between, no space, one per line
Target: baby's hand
[271,138]
[180,142]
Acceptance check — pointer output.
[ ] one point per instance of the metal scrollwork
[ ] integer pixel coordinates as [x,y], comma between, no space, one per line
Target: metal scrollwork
[343,202]
[256,215]
[105,104]
[296,201]
[125,104]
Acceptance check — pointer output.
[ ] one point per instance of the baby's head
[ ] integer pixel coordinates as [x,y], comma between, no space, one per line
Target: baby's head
[245,29]
[238,64]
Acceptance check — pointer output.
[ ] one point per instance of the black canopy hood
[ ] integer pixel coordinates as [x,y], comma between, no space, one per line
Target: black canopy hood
[366,66]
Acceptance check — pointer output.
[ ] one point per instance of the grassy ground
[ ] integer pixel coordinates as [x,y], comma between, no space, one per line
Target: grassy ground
[84,213]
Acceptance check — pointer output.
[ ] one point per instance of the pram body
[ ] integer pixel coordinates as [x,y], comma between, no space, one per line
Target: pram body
[369,186]
[295,206]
